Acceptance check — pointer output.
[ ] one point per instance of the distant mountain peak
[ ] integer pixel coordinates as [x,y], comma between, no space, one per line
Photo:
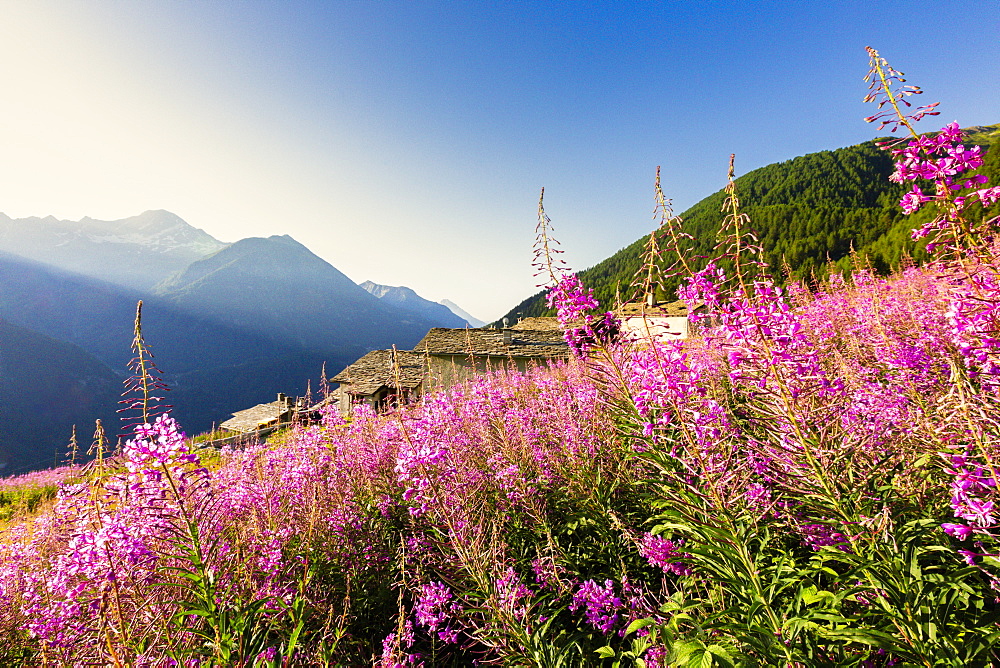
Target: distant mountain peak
[406,299]
[462,313]
[157,214]
[279,259]
[155,223]
[393,293]
[135,252]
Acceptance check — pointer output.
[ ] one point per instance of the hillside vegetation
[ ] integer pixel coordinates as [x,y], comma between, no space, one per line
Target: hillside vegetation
[685,505]
[806,211]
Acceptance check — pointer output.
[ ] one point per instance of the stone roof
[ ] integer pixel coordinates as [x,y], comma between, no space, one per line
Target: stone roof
[662,310]
[332,398]
[378,368]
[252,419]
[537,344]
[538,324]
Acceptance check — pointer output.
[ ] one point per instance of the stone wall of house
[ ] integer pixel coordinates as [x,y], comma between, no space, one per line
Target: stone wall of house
[447,370]
[348,402]
[657,328]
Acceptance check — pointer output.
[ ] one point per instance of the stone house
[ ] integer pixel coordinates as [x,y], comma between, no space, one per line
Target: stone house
[455,355]
[541,324]
[648,320]
[445,357]
[381,379]
[261,416]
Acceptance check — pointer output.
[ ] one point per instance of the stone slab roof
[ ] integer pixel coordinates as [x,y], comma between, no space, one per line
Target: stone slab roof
[377,369]
[252,418]
[525,343]
[538,324]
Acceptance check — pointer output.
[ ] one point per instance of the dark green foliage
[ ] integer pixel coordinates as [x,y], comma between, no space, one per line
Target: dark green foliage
[808,212]
[764,598]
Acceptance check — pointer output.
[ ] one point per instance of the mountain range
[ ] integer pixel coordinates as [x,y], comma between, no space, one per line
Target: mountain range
[807,212]
[407,300]
[136,252]
[230,324]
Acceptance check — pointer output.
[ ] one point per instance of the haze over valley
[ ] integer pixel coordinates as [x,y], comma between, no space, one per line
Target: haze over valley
[230,324]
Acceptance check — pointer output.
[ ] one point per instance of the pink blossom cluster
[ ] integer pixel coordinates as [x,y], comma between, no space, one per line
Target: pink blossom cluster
[972,487]
[657,657]
[818,536]
[943,159]
[938,157]
[668,380]
[435,608]
[395,646]
[665,554]
[600,604]
[575,306]
[974,316]
[155,446]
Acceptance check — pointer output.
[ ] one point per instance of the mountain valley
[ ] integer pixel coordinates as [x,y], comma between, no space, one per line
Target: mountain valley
[230,324]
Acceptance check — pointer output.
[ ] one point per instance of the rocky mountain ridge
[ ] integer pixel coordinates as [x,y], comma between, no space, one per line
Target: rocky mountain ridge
[136,252]
[406,299]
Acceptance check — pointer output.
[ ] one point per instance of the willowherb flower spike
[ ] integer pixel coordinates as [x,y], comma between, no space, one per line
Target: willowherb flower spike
[736,242]
[647,276]
[886,87]
[74,449]
[939,158]
[650,275]
[142,399]
[677,243]
[99,447]
[546,261]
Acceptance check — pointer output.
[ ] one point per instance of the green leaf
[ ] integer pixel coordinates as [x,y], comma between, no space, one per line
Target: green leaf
[808,595]
[639,624]
[700,658]
[864,636]
[685,649]
[605,652]
[722,656]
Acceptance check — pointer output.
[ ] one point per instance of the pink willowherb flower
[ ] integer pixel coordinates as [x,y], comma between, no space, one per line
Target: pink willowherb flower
[599,603]
[664,554]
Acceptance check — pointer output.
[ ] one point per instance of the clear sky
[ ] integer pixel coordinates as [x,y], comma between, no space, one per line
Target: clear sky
[406,142]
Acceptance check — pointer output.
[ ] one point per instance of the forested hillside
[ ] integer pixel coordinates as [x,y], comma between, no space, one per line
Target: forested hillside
[807,212]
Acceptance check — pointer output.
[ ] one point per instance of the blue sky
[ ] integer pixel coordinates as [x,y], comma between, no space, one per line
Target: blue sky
[406,142]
